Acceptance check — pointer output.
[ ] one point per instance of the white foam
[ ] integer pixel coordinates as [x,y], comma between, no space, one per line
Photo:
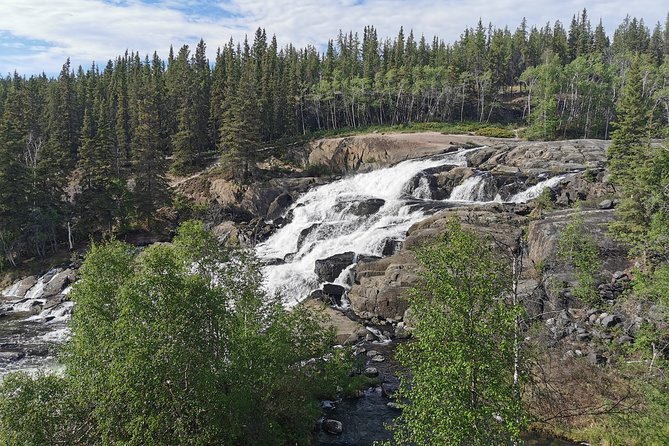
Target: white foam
[335,230]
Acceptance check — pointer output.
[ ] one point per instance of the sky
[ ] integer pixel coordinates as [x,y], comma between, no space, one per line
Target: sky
[39,35]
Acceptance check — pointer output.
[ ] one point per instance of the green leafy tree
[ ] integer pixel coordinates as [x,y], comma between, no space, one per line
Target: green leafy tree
[461,388]
[577,247]
[178,345]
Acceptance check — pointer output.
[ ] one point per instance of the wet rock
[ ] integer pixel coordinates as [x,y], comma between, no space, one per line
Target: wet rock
[20,288]
[378,358]
[372,353]
[367,207]
[389,389]
[334,292]
[332,427]
[273,261]
[390,247]
[329,269]
[279,206]
[12,356]
[58,283]
[371,372]
[318,294]
[394,405]
[304,233]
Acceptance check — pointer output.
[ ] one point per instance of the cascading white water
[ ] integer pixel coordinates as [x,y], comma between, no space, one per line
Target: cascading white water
[422,192]
[474,188]
[536,190]
[32,326]
[326,223]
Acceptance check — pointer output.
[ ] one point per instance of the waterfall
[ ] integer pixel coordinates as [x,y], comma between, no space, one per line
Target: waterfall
[422,192]
[536,190]
[327,221]
[474,188]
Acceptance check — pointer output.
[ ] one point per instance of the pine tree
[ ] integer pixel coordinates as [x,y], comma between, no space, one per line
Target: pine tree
[150,192]
[13,173]
[240,133]
[201,97]
[98,202]
[185,141]
[630,137]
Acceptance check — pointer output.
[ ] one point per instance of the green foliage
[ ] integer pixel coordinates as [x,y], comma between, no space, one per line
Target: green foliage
[645,426]
[627,152]
[544,202]
[495,132]
[187,209]
[654,286]
[460,389]
[37,411]
[578,248]
[358,383]
[179,345]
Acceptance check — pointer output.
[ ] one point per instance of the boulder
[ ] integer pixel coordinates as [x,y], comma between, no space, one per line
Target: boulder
[20,288]
[347,331]
[279,206]
[610,321]
[390,247]
[606,204]
[559,276]
[332,289]
[371,372]
[382,295]
[329,269]
[367,207]
[304,233]
[332,427]
[58,283]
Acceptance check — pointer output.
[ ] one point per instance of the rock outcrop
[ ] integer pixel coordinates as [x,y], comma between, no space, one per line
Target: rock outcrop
[369,152]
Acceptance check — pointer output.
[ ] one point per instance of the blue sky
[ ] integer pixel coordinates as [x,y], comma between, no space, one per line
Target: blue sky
[38,35]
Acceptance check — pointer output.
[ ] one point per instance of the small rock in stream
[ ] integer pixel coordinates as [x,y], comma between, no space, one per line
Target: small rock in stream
[332,427]
[371,372]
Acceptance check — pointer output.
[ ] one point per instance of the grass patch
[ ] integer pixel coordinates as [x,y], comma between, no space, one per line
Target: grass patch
[499,130]
[356,384]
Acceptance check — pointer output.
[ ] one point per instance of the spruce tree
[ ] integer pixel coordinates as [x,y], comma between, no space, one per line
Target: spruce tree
[240,133]
[630,137]
[150,191]
[185,140]
[98,202]
[13,173]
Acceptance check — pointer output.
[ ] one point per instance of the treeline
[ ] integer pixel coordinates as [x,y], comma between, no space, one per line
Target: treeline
[88,152]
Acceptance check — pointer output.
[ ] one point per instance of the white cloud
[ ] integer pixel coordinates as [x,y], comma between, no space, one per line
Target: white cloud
[87,30]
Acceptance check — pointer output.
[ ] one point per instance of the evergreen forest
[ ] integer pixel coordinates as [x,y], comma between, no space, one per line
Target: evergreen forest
[89,152]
